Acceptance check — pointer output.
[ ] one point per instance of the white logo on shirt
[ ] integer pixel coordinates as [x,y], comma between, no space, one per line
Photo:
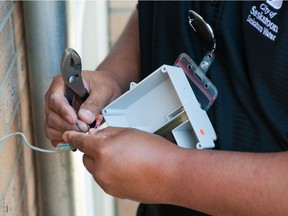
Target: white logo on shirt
[261,18]
[276,4]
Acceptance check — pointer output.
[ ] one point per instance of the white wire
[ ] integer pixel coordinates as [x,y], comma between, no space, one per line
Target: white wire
[27,142]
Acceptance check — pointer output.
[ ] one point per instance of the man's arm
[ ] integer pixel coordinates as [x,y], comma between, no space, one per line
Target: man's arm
[123,61]
[232,183]
[132,164]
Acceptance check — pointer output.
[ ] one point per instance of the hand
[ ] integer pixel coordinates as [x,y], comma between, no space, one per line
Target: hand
[128,163]
[60,116]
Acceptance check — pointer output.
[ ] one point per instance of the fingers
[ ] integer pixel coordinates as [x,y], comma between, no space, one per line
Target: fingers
[56,135]
[52,134]
[89,109]
[90,144]
[60,116]
[80,141]
[56,101]
[55,121]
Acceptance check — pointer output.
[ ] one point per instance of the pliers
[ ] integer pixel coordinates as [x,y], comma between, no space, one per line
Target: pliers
[71,68]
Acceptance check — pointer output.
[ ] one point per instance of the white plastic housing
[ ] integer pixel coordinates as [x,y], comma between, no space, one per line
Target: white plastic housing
[157,99]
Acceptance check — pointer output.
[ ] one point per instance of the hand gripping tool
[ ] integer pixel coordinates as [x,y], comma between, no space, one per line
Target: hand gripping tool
[71,68]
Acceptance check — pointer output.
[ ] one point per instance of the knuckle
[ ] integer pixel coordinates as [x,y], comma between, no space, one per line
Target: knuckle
[101,153]
[47,132]
[63,110]
[55,80]
[104,181]
[49,119]
[52,100]
[93,103]
[77,142]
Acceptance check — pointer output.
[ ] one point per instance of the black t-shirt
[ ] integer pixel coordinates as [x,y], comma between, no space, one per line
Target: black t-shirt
[250,69]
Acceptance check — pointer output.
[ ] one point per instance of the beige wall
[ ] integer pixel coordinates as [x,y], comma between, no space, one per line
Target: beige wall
[119,12]
[17,176]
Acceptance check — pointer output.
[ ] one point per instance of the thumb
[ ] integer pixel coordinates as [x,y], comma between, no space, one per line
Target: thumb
[89,109]
[101,90]
[77,140]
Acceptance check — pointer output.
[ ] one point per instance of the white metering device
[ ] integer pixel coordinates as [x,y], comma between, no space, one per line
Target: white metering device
[163,103]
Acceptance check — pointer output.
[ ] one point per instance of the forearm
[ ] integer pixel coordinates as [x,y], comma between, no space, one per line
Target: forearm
[232,183]
[123,61]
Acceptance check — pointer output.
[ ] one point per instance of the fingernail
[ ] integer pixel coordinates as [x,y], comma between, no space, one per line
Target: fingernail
[83,127]
[86,115]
